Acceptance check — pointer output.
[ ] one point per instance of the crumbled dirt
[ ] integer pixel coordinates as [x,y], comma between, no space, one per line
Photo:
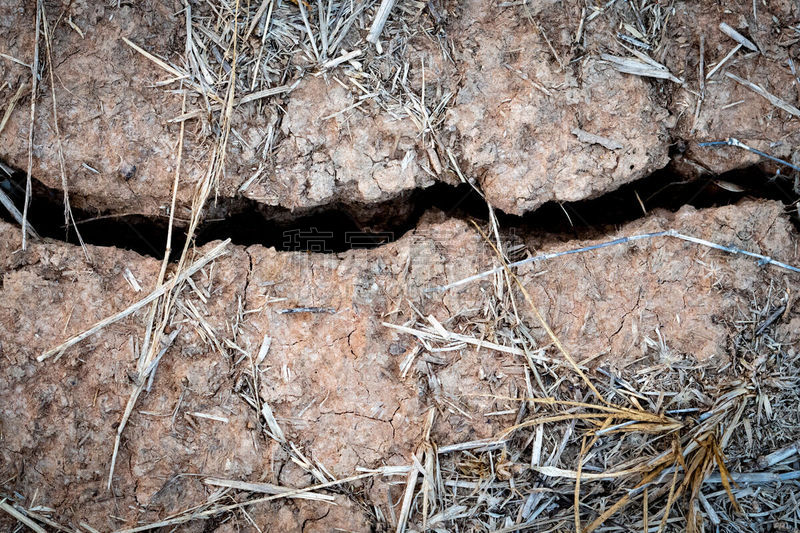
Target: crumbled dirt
[521,102]
[364,156]
[332,380]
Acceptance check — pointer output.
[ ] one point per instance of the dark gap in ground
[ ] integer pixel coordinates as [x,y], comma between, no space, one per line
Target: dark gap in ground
[339,227]
[664,189]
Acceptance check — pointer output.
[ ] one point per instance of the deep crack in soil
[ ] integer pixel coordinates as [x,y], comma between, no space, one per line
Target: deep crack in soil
[337,228]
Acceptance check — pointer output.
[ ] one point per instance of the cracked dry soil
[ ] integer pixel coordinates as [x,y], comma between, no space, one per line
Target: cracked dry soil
[506,86]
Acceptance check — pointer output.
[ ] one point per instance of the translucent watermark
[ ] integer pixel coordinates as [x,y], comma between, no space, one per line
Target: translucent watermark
[314,240]
[310,240]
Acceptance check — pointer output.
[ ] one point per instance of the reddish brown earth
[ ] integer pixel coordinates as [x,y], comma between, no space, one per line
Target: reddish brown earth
[520,102]
[729,109]
[107,105]
[521,90]
[516,83]
[333,380]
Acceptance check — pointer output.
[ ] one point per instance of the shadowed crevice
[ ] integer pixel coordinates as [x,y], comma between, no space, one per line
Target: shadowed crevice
[336,228]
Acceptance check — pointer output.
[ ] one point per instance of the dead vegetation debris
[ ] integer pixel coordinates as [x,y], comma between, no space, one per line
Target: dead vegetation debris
[664,444]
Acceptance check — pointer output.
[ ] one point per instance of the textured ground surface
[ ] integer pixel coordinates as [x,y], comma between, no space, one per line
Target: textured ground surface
[514,98]
[727,108]
[520,103]
[333,379]
[510,92]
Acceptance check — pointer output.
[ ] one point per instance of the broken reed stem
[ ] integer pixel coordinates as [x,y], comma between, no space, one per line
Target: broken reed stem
[771,98]
[739,144]
[265,488]
[577,495]
[62,166]
[480,343]
[380,20]
[5,506]
[311,39]
[168,246]
[736,36]
[723,61]
[163,64]
[118,436]
[252,97]
[217,510]
[216,252]
[12,103]
[408,498]
[762,259]
[34,90]
[33,515]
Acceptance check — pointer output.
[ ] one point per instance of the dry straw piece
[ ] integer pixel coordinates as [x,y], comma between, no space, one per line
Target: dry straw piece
[736,36]
[380,20]
[771,98]
[640,65]
[762,259]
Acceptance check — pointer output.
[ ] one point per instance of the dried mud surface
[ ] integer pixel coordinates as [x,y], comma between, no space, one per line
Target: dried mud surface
[333,380]
[330,145]
[106,107]
[514,99]
[514,83]
[727,108]
[521,101]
